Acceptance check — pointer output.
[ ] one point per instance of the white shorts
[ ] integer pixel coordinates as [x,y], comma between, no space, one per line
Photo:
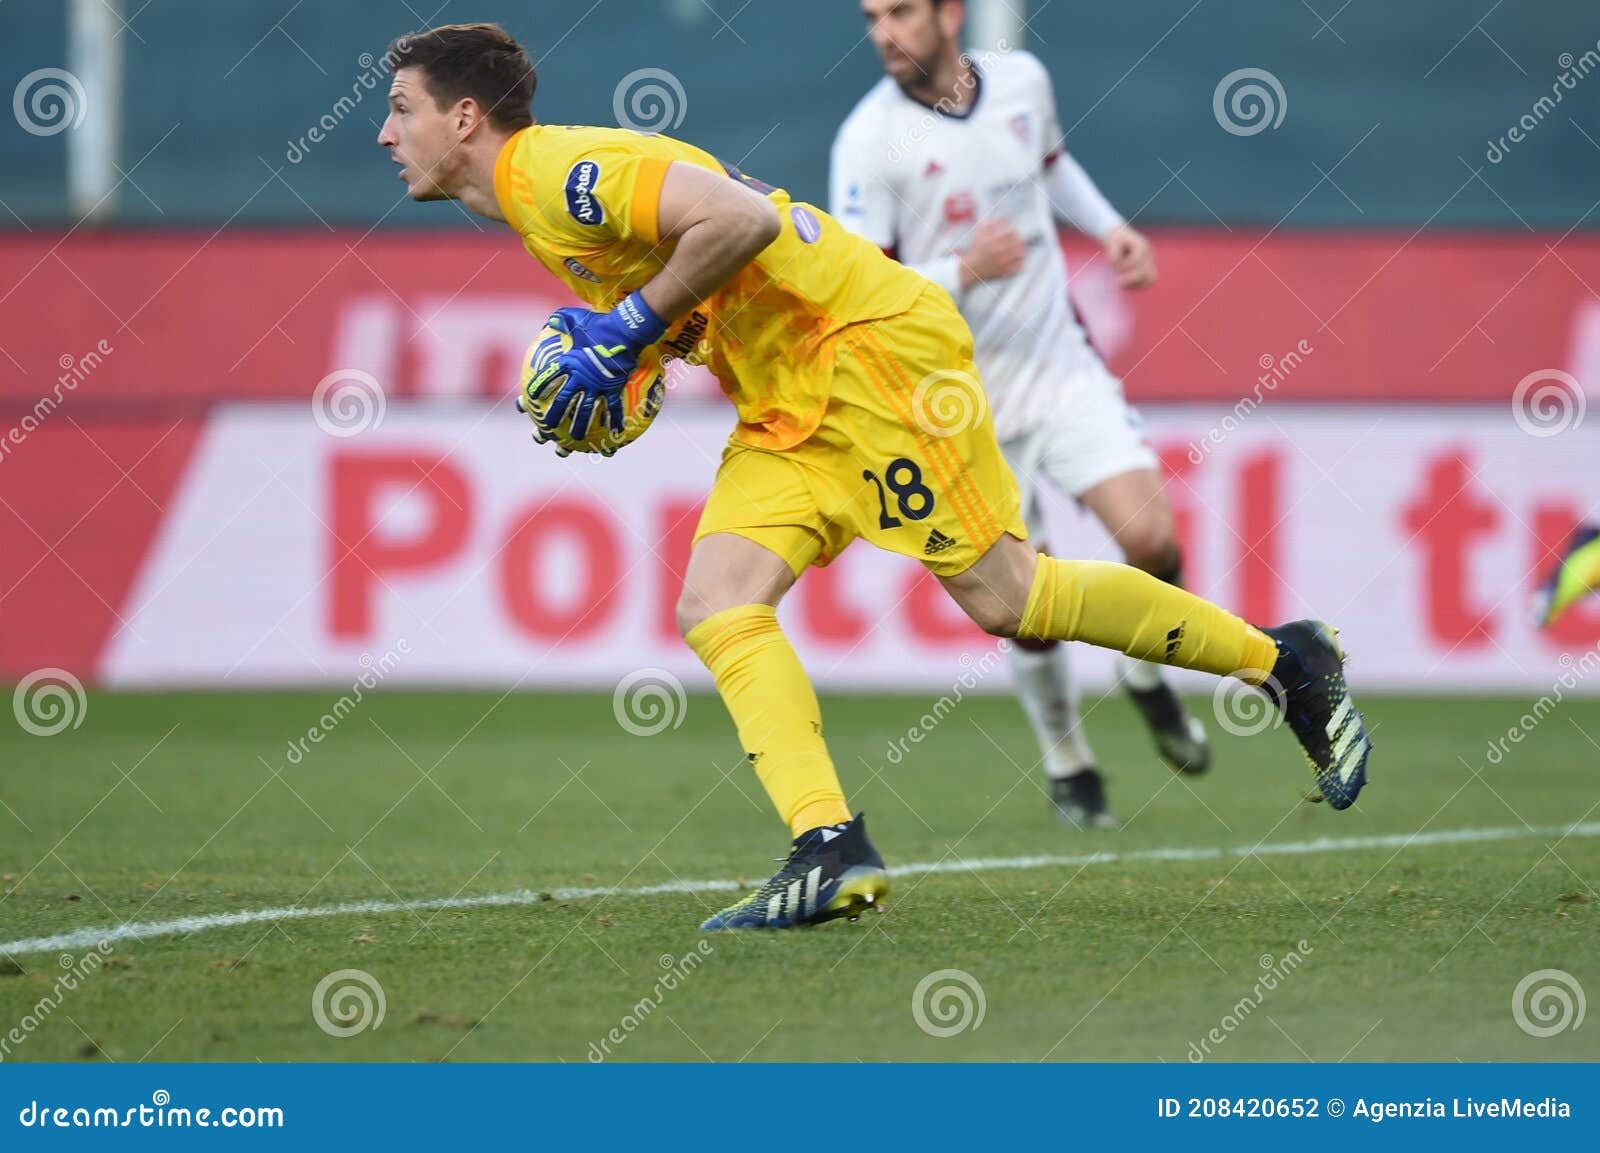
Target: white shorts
[1094,435]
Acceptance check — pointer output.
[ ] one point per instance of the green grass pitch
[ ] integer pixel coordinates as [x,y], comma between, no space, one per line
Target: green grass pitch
[166,805]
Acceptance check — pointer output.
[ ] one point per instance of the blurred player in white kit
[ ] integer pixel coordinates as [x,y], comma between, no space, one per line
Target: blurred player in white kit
[955,167]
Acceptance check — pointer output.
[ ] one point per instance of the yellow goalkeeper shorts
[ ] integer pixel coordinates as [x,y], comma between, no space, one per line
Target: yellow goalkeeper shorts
[906,456]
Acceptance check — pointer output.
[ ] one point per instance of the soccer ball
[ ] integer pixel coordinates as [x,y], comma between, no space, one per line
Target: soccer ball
[642,396]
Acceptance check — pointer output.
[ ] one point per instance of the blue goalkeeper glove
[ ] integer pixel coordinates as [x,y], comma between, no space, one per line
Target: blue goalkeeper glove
[605,351]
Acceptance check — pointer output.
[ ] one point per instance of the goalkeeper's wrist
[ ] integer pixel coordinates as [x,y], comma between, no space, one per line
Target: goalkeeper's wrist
[637,322]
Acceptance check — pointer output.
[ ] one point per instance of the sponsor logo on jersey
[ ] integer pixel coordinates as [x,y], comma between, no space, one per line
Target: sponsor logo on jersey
[1022,126]
[806,225]
[581,200]
[578,269]
[960,208]
[684,343]
[934,169]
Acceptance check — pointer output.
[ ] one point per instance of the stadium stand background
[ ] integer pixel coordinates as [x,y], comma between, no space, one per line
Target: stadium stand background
[1358,309]
[1410,93]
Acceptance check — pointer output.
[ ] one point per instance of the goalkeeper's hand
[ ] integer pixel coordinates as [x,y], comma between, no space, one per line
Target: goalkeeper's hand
[605,351]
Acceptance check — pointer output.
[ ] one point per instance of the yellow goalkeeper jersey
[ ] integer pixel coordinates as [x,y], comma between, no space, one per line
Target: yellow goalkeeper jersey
[584,201]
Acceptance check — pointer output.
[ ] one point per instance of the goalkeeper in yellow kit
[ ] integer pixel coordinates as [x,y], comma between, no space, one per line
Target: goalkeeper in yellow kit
[828,350]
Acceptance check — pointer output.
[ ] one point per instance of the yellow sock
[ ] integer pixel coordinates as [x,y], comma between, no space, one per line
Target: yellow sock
[1119,607]
[775,710]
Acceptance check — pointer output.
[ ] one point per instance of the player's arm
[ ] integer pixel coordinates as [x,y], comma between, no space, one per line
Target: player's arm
[1074,198]
[718,225]
[1077,201]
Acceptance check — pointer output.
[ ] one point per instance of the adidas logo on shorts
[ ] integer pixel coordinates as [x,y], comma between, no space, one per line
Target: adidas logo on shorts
[937,542]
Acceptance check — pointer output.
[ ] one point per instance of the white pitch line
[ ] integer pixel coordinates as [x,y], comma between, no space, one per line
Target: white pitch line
[142,930]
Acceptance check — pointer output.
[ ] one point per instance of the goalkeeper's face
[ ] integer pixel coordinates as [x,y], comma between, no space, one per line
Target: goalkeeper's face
[422,138]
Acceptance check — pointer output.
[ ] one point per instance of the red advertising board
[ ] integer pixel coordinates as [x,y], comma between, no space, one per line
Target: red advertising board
[230,316]
[256,546]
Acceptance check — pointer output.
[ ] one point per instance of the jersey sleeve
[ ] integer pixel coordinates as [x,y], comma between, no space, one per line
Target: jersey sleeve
[594,194]
[1044,95]
[860,196]
[1074,198]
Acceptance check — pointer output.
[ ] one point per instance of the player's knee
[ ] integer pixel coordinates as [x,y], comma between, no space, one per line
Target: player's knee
[691,609]
[1152,547]
[994,592]
[996,617]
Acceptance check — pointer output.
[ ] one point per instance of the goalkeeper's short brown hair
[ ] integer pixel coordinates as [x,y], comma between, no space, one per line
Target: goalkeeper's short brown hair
[482,62]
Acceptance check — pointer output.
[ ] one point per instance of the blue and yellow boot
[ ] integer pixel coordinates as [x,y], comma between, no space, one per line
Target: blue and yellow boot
[832,871]
[1577,576]
[1308,685]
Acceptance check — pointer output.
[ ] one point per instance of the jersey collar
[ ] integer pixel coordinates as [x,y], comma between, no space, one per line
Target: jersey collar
[939,106]
[502,179]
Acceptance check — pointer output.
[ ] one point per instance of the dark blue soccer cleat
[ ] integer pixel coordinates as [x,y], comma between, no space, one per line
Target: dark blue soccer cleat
[832,871]
[1576,577]
[1308,685]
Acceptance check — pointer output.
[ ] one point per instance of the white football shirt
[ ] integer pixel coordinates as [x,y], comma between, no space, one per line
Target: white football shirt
[915,180]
